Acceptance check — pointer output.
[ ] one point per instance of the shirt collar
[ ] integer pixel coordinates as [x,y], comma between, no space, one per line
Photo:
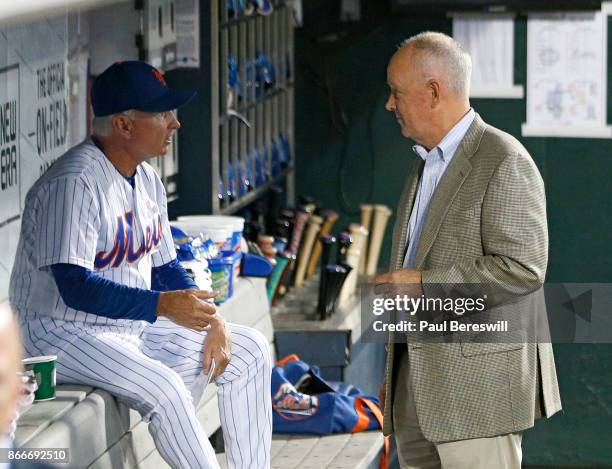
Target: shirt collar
[424,153]
[449,143]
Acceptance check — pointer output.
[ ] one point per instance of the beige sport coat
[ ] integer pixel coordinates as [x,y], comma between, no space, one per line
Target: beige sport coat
[486,224]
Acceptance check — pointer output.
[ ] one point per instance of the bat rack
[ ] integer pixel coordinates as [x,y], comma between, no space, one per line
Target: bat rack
[255,103]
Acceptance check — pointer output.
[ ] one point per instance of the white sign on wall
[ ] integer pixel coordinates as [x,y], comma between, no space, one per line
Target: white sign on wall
[33,119]
[10,208]
[489,38]
[566,75]
[187,33]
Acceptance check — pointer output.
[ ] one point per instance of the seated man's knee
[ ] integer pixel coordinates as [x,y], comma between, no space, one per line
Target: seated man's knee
[262,344]
[169,391]
[257,345]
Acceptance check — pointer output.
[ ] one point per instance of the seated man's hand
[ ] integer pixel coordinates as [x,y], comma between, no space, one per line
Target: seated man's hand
[188,308]
[217,346]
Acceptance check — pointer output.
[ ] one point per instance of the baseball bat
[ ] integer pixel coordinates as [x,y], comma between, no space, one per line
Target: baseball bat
[345,240]
[322,294]
[307,204]
[282,229]
[301,218]
[287,214]
[334,276]
[281,288]
[353,257]
[314,225]
[330,218]
[379,224]
[281,264]
[366,218]
[335,281]
[327,243]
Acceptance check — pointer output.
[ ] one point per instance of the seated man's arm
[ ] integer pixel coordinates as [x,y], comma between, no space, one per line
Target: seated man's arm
[171,276]
[84,290]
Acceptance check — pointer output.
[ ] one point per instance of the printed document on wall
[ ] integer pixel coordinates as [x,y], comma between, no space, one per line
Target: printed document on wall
[566,75]
[490,41]
[188,33]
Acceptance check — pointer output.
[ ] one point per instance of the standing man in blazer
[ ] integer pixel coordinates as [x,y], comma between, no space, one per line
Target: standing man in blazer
[473,210]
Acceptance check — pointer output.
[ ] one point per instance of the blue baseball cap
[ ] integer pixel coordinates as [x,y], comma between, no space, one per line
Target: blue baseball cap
[134,85]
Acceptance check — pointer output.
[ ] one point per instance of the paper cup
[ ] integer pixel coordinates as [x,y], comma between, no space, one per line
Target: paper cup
[44,371]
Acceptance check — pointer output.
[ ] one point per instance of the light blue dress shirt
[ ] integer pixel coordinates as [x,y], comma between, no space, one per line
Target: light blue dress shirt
[436,162]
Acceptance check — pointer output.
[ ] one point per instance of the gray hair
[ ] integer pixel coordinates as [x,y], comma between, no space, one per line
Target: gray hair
[102,126]
[449,54]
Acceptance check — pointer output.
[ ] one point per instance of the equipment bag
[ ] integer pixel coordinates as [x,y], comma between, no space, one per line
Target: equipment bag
[304,402]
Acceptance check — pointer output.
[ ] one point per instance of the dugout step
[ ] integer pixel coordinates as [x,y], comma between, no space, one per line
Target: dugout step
[340,451]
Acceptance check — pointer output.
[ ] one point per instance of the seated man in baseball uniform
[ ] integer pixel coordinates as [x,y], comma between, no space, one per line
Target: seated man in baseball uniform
[96,282]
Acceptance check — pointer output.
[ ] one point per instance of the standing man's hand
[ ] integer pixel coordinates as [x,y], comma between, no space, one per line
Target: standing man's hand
[217,346]
[404,281]
[189,308]
[399,276]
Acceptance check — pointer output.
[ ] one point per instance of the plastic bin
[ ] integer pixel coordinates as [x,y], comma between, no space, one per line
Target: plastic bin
[224,272]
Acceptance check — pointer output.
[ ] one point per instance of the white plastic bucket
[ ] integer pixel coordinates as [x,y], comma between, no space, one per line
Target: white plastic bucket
[220,235]
[206,223]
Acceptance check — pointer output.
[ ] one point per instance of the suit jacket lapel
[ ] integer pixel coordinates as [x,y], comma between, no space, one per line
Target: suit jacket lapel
[449,185]
[457,171]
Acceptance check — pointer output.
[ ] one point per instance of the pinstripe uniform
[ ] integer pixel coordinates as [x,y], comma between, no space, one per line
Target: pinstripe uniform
[84,212]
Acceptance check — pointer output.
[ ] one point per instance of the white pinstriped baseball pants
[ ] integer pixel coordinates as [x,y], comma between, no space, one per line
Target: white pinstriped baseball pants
[150,369]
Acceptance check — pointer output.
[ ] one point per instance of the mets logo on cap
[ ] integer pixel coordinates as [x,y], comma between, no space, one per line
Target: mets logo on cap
[159,76]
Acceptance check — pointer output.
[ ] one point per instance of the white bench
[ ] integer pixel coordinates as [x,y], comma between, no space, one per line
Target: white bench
[101,433]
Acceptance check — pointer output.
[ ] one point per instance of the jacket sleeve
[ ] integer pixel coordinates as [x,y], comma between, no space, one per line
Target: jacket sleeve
[514,234]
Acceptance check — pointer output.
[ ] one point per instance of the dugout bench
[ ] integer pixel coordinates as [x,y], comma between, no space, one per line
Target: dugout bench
[103,434]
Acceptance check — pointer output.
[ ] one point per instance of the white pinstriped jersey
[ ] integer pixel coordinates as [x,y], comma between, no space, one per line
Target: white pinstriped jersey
[82,211]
